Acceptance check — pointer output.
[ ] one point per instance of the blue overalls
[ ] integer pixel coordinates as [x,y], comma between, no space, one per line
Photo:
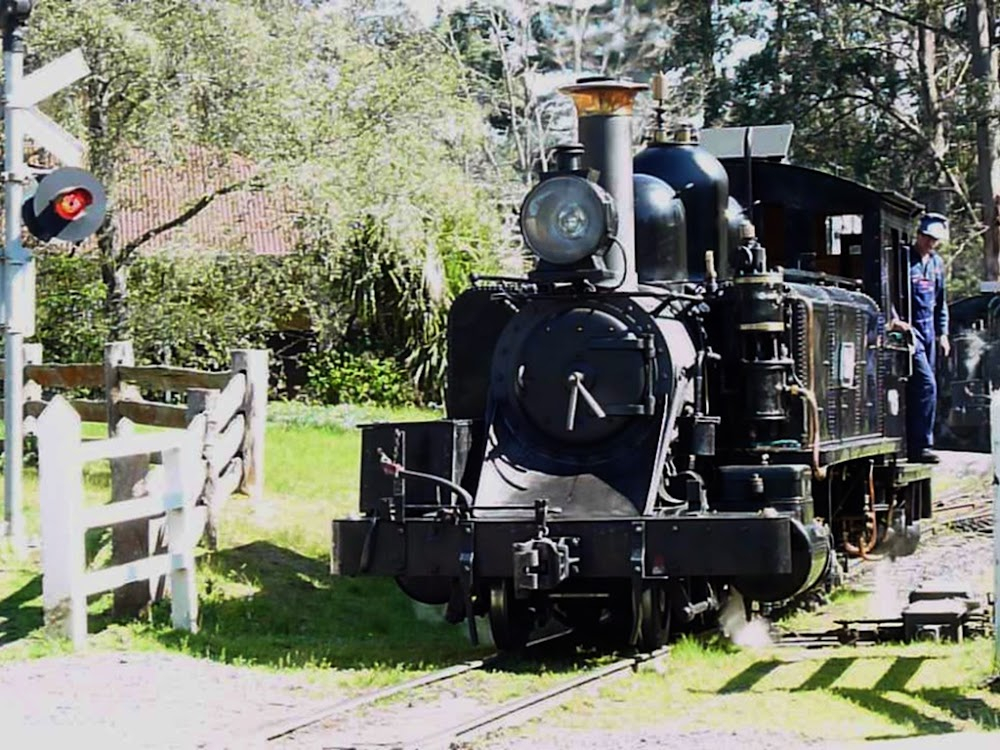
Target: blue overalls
[930,320]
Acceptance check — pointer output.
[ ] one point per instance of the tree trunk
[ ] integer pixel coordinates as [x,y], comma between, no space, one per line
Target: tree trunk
[114,271]
[114,274]
[937,191]
[987,92]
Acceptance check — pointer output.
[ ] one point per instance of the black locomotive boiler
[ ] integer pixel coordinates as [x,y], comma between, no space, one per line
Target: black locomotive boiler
[661,414]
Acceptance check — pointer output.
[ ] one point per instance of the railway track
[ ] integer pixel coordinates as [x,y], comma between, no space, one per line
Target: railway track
[962,511]
[510,713]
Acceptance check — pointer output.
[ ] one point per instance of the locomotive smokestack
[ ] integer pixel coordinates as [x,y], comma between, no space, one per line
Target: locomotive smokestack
[604,109]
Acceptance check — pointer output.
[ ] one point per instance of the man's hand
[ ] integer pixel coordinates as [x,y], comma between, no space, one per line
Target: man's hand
[945,344]
[899,325]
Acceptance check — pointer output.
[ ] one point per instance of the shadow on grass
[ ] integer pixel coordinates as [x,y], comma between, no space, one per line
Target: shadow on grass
[894,711]
[268,605]
[963,707]
[955,702]
[745,680]
[827,673]
[17,619]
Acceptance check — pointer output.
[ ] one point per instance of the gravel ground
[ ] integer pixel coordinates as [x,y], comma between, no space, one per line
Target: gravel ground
[138,700]
[135,700]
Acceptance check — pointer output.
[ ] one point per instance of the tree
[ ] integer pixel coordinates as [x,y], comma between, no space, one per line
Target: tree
[981,16]
[233,77]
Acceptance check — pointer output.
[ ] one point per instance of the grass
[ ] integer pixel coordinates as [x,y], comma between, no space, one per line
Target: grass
[846,694]
[266,596]
[268,601]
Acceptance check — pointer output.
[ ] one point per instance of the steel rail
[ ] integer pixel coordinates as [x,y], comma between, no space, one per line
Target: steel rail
[519,710]
[281,729]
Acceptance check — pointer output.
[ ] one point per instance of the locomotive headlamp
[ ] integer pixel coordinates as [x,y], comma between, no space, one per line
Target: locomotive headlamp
[567,218]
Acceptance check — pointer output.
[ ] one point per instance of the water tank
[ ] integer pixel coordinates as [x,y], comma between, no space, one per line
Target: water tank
[660,234]
[703,186]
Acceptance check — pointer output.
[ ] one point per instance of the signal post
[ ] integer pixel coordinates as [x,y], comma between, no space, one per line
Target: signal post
[66,204]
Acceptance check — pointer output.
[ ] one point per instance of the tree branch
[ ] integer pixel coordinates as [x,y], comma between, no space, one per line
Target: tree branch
[128,250]
[909,20]
[921,138]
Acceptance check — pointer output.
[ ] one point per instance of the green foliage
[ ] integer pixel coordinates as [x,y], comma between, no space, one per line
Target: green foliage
[346,378]
[188,311]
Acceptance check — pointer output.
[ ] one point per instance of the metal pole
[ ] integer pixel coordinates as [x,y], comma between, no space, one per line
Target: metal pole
[995,444]
[16,273]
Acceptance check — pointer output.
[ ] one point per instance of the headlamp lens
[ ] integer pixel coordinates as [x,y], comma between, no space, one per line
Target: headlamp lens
[572,221]
[567,218]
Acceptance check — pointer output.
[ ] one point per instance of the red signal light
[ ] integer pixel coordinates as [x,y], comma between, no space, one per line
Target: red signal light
[72,203]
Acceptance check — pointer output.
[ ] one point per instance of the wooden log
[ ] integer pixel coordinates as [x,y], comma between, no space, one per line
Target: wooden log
[151,413]
[129,539]
[65,376]
[230,399]
[90,410]
[157,377]
[228,445]
[228,482]
[253,362]
[204,401]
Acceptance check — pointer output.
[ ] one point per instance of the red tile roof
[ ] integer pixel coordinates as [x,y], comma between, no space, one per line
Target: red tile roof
[151,192]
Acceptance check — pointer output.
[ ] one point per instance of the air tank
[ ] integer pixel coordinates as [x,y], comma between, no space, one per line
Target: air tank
[703,186]
[660,236]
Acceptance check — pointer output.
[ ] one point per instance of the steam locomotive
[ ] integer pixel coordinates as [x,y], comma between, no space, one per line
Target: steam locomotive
[970,373]
[662,415]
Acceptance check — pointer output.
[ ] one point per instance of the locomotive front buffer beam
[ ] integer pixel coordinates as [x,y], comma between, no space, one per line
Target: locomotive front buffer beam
[718,545]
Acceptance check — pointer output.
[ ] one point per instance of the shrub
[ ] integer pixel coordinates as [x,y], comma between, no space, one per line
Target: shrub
[347,378]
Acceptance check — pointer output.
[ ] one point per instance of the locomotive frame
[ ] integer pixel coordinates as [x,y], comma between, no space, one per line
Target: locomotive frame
[635,436]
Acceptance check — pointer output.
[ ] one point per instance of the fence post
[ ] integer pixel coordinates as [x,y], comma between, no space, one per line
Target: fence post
[254,363]
[203,401]
[32,390]
[181,467]
[32,356]
[60,470]
[116,354]
[130,541]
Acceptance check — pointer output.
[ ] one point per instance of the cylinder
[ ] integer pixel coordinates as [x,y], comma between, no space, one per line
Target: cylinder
[604,111]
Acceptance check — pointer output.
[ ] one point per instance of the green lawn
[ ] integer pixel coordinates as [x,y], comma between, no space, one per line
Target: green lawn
[267,597]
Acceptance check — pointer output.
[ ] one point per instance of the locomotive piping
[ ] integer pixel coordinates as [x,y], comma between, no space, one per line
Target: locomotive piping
[604,111]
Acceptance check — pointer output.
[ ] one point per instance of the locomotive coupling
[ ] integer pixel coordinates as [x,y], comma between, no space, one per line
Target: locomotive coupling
[542,564]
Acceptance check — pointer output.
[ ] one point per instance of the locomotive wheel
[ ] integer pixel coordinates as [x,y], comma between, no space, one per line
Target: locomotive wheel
[654,615]
[511,619]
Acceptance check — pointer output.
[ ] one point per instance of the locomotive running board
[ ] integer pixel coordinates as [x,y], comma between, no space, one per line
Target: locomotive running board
[719,544]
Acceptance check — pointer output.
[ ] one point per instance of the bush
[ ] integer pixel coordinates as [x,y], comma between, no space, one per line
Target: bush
[346,378]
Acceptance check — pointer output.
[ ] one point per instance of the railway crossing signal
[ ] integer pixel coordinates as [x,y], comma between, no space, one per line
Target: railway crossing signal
[67,204]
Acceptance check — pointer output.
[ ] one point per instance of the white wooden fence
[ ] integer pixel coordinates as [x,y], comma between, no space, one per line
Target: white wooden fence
[172,488]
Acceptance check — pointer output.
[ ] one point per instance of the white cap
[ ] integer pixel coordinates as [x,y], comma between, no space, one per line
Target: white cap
[934,225]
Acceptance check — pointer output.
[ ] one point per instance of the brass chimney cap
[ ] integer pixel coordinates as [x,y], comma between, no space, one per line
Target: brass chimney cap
[685,133]
[603,96]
